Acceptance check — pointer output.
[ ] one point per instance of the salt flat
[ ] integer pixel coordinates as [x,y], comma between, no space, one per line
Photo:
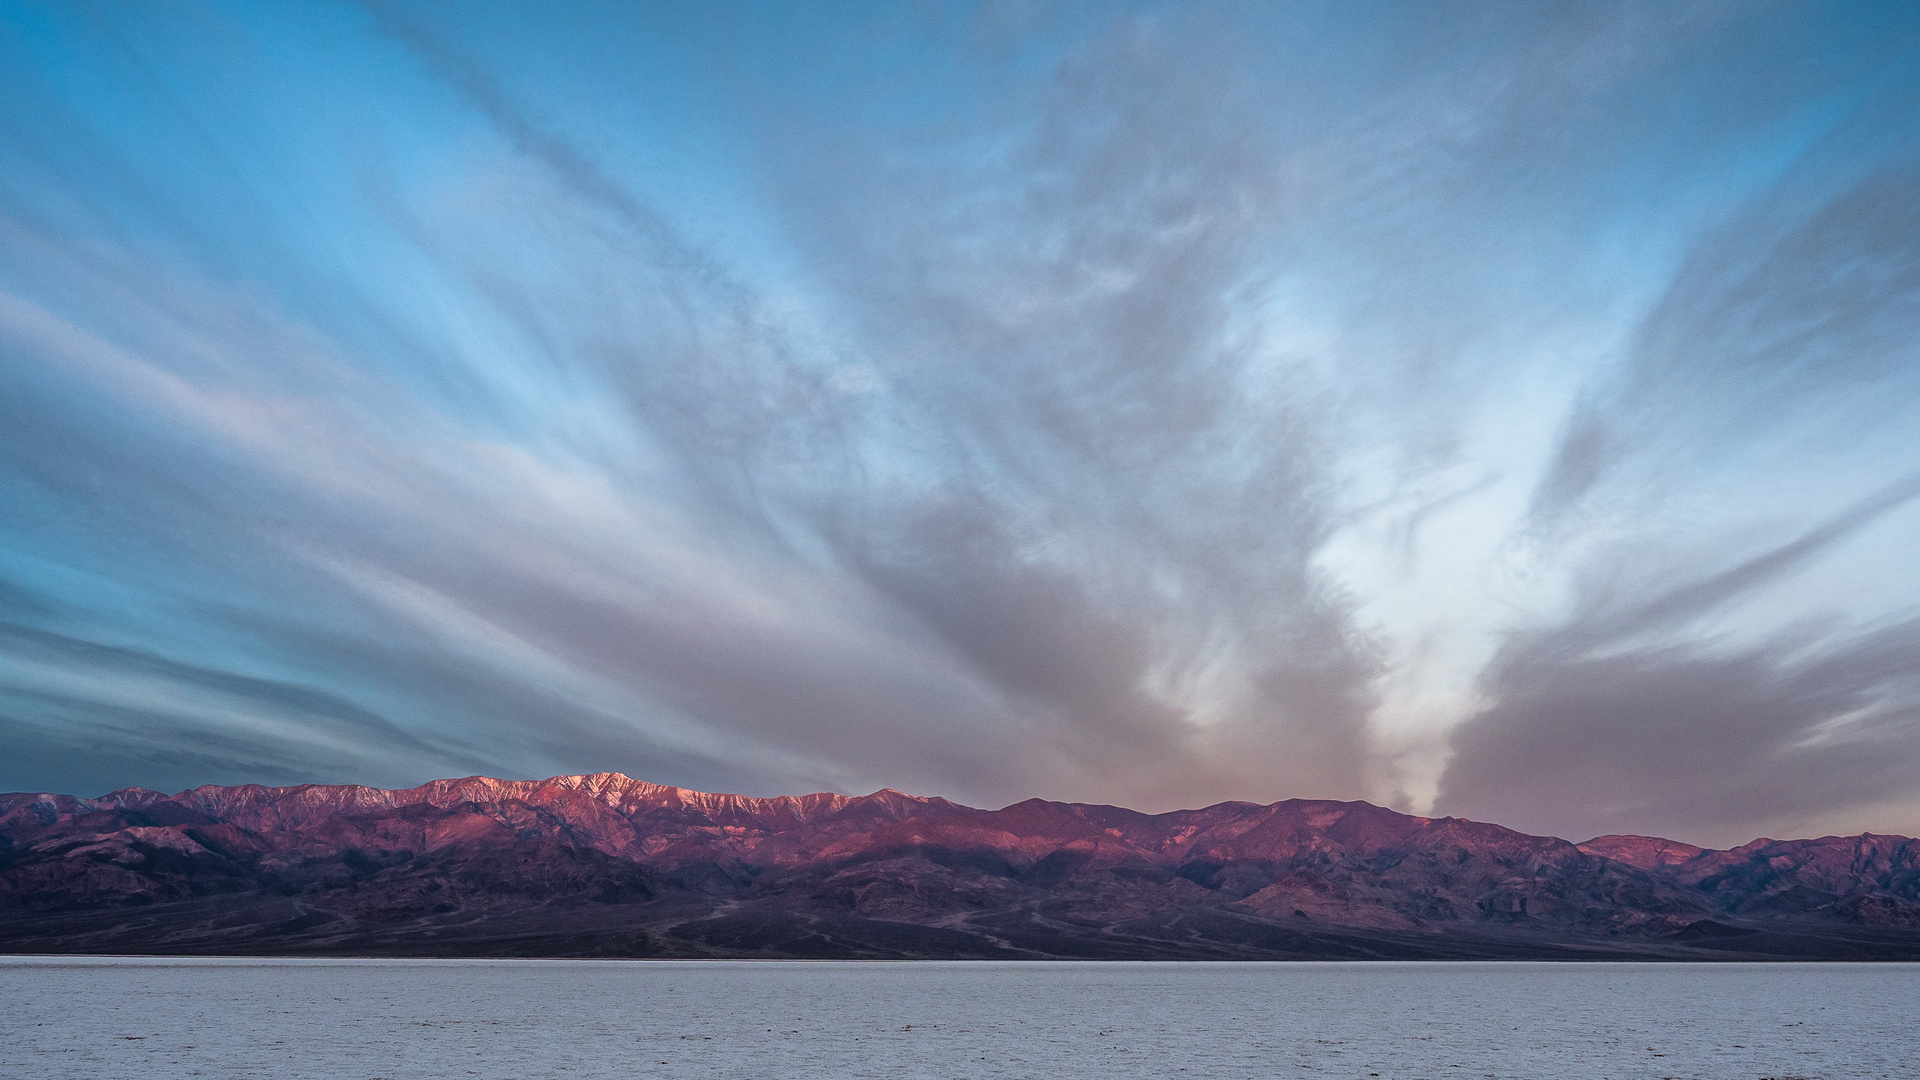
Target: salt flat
[161,1019]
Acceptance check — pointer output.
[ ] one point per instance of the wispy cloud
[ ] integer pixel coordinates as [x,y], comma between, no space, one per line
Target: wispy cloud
[1494,408]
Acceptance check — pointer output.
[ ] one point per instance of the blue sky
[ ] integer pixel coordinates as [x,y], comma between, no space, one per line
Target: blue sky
[1498,410]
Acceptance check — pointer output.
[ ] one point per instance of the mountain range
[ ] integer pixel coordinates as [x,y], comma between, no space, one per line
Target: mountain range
[605,865]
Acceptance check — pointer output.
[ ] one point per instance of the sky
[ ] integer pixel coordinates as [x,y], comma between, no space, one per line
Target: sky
[1499,410]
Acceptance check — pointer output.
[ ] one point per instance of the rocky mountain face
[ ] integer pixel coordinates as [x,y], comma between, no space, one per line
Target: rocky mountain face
[605,865]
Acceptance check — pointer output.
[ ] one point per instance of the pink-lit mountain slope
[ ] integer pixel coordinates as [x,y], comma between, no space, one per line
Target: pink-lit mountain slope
[1645,852]
[608,865]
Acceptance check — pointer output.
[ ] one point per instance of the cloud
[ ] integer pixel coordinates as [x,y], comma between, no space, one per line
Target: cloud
[170,722]
[1152,405]
[1141,620]
[1668,694]
[1723,744]
[1799,307]
[1752,427]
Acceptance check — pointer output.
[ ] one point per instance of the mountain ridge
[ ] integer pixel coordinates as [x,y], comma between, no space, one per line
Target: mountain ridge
[605,864]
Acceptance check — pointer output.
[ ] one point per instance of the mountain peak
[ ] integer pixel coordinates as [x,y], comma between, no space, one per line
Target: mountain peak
[1644,852]
[604,864]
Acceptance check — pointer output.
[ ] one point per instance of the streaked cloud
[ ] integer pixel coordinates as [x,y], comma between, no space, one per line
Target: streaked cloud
[1490,409]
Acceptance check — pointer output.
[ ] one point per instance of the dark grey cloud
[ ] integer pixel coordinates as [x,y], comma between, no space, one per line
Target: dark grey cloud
[1715,745]
[1056,314]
